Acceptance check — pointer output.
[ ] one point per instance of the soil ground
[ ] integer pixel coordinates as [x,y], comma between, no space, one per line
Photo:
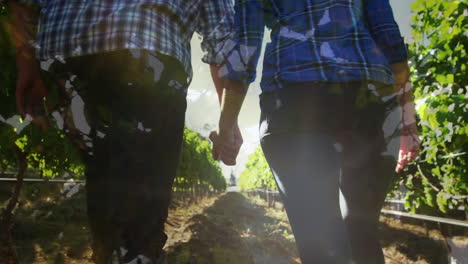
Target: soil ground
[230,228]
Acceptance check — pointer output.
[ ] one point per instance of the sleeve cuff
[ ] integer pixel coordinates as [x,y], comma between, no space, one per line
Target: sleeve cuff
[397,52]
[240,77]
[211,59]
[217,50]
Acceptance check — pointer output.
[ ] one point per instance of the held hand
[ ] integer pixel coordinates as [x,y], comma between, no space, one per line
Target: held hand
[30,94]
[226,144]
[228,140]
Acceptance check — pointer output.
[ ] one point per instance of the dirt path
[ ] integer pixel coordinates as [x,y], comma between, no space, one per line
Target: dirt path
[234,230]
[225,229]
[240,230]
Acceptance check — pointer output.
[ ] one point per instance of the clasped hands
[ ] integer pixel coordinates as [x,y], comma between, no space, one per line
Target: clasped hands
[227,142]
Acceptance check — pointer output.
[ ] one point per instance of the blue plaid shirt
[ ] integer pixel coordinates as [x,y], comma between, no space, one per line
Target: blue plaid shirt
[70,28]
[314,40]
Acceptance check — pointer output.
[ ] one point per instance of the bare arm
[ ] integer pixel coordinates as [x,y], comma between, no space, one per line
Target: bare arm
[218,82]
[24,22]
[409,140]
[247,38]
[401,75]
[233,99]
[228,139]
[30,89]
[387,36]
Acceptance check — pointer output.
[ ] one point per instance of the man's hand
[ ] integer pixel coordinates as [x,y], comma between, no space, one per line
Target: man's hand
[31,92]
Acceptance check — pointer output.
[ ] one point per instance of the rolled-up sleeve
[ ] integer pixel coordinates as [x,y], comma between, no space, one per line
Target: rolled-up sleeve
[243,51]
[215,27]
[385,31]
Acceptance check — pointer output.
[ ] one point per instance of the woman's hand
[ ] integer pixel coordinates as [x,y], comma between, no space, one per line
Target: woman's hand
[409,139]
[409,147]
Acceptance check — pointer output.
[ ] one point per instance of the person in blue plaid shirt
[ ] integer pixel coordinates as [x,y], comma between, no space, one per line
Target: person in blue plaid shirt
[123,68]
[337,116]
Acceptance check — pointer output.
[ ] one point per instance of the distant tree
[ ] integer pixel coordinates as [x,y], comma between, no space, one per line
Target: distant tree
[232,179]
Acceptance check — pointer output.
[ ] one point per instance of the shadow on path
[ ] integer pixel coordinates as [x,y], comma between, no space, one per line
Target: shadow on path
[236,231]
[50,228]
[408,245]
[232,230]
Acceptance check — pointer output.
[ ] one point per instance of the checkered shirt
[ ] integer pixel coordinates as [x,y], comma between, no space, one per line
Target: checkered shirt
[314,41]
[69,28]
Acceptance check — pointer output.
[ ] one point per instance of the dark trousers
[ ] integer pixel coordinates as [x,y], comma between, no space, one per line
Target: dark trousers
[320,139]
[126,114]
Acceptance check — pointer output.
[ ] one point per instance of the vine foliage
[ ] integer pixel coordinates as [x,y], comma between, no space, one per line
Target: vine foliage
[437,182]
[257,174]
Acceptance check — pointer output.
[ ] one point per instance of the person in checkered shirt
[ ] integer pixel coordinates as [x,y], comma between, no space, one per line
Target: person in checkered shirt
[338,118]
[123,68]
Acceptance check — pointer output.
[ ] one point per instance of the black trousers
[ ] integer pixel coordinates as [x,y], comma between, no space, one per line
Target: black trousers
[321,140]
[126,114]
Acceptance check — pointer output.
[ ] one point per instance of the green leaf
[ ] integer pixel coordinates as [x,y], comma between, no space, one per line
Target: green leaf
[450,78]
[441,79]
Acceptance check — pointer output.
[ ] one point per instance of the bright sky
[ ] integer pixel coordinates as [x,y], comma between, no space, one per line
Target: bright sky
[203,110]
